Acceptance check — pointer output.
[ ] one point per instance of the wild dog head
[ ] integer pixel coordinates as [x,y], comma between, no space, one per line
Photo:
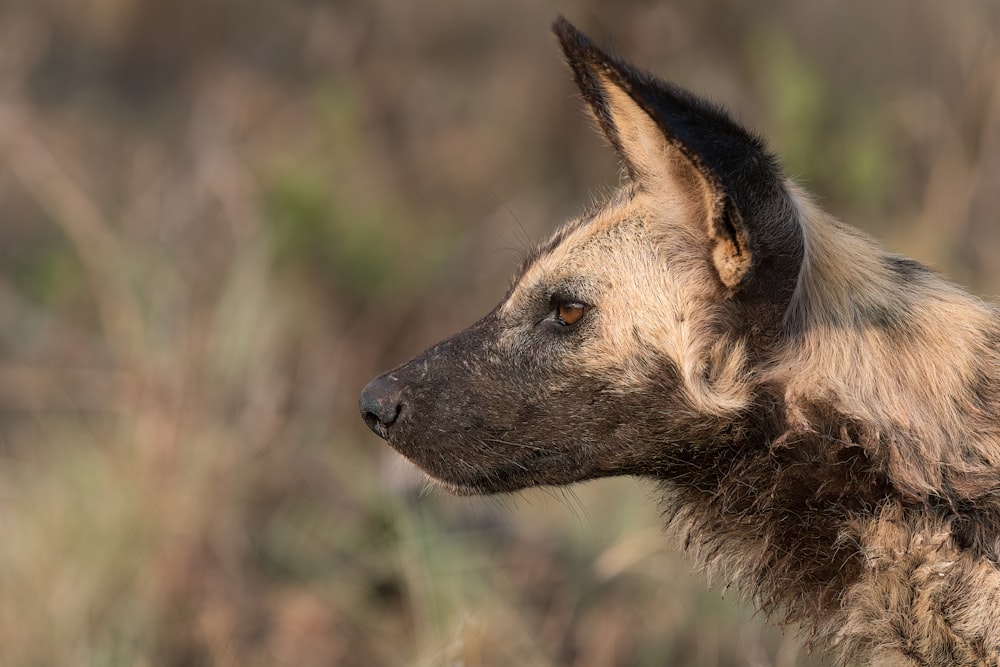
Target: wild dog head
[632,333]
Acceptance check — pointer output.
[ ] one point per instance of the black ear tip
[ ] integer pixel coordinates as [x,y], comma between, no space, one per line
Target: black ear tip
[562,27]
[573,41]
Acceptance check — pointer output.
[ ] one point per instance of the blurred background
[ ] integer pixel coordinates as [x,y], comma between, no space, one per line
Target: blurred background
[220,219]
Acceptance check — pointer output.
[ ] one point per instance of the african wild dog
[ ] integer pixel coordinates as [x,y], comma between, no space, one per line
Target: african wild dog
[822,414]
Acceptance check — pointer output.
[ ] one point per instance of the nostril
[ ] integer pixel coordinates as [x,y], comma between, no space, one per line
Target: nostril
[379,409]
[381,405]
[373,418]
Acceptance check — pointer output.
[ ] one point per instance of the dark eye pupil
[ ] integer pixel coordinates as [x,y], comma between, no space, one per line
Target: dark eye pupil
[570,313]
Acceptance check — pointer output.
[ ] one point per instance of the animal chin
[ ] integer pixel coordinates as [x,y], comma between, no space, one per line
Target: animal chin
[458,489]
[480,482]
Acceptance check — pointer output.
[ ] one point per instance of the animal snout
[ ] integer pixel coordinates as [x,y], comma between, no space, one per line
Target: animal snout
[381,404]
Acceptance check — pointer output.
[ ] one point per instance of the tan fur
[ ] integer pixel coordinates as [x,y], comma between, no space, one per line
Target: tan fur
[625,247]
[914,384]
[921,600]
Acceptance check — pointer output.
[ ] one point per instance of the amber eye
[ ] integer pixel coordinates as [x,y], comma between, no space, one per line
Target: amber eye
[568,314]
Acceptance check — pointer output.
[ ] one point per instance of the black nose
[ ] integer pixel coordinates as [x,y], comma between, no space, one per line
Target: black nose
[381,404]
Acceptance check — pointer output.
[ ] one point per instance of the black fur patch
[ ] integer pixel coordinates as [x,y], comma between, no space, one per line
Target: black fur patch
[781,499]
[894,319]
[907,269]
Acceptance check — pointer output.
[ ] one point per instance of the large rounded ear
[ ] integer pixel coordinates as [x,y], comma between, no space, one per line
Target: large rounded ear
[752,225]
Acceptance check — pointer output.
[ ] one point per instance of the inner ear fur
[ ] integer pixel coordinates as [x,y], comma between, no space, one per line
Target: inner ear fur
[655,161]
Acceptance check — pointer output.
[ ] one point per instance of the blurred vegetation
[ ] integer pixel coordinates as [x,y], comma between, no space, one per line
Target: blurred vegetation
[222,218]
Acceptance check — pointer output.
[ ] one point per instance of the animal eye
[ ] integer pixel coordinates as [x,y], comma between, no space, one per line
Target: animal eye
[569,313]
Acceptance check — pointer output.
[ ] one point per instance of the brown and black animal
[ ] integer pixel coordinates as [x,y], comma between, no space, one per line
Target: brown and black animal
[822,414]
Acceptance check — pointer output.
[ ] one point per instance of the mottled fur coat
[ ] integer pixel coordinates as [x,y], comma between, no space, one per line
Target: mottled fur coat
[822,414]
